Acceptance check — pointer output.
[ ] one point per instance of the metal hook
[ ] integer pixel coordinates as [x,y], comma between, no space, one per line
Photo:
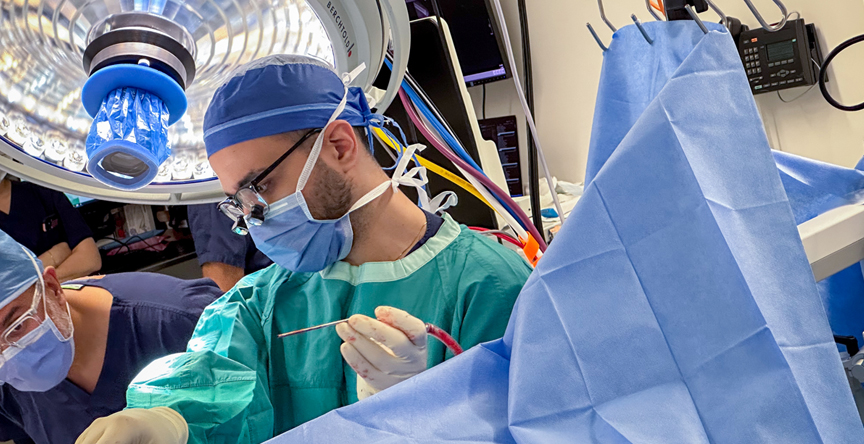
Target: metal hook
[696,18]
[723,19]
[762,21]
[652,11]
[603,16]
[641,29]
[597,38]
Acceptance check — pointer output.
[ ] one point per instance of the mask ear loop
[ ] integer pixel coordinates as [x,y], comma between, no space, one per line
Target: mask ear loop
[45,300]
[39,278]
[319,141]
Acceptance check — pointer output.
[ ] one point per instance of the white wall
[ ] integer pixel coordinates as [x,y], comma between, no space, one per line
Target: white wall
[567,63]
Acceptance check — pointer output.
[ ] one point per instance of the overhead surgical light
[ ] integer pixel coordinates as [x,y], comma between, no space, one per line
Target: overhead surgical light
[50,50]
[139,66]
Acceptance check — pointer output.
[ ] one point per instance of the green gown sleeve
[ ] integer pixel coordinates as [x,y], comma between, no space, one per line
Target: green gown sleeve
[488,291]
[220,385]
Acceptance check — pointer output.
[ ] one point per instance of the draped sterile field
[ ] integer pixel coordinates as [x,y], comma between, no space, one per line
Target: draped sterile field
[814,188]
[675,306]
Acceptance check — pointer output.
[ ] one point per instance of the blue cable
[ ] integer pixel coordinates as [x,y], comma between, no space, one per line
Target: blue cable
[450,139]
[446,135]
[437,125]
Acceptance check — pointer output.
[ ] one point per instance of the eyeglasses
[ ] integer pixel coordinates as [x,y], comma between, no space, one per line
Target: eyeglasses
[247,206]
[17,334]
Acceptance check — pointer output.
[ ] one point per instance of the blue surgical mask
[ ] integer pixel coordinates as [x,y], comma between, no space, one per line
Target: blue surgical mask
[43,364]
[292,238]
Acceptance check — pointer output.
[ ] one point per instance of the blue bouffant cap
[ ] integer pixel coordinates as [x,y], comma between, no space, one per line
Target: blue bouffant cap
[278,94]
[19,269]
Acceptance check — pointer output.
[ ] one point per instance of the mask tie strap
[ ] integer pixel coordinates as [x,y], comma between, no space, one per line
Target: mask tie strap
[319,141]
[442,202]
[400,177]
[417,177]
[41,282]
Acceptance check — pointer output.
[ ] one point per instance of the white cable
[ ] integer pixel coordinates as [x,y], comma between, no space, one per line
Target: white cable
[523,235]
[506,37]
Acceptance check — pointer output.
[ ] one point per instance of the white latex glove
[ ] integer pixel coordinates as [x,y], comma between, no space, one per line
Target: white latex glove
[159,425]
[383,352]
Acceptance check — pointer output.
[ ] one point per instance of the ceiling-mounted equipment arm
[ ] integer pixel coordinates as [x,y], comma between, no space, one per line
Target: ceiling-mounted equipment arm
[360,31]
[834,240]
[400,33]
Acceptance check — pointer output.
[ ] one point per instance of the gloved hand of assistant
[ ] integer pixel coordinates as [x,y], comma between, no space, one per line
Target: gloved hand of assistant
[385,351]
[159,425]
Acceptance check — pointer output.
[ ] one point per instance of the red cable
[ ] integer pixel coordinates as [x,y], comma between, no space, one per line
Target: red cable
[508,201]
[445,338]
[502,236]
[510,239]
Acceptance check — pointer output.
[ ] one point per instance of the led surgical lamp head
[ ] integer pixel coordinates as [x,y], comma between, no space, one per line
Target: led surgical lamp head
[140,65]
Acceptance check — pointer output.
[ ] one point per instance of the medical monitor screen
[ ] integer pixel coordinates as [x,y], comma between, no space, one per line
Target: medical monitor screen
[502,131]
[475,37]
[781,51]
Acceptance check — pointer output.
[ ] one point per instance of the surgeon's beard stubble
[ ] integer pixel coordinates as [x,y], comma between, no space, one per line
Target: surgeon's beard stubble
[330,193]
[330,196]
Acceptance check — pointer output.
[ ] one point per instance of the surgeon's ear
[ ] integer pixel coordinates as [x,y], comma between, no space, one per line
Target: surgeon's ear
[52,282]
[346,148]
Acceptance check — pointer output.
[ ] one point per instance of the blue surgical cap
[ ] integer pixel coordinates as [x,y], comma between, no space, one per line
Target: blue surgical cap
[278,94]
[17,272]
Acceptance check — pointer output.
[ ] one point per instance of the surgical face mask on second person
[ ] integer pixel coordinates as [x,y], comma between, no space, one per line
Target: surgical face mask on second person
[36,356]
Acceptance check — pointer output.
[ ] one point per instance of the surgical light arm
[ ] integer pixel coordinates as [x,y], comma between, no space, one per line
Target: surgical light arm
[360,31]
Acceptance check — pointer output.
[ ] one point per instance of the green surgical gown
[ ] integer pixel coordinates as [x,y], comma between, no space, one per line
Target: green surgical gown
[239,383]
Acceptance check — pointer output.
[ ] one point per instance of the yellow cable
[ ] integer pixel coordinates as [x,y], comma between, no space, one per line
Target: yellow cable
[435,168]
[531,247]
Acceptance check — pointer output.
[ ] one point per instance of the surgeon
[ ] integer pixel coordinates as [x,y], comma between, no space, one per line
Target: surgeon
[44,221]
[68,351]
[286,137]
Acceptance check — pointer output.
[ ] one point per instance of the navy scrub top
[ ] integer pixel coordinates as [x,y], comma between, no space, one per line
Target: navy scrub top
[40,218]
[152,315]
[215,242]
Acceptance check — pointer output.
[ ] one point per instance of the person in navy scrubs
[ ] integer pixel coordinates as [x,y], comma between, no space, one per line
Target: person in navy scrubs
[45,222]
[224,256]
[68,351]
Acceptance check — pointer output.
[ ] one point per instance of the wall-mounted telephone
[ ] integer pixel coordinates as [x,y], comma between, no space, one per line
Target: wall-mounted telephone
[779,60]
